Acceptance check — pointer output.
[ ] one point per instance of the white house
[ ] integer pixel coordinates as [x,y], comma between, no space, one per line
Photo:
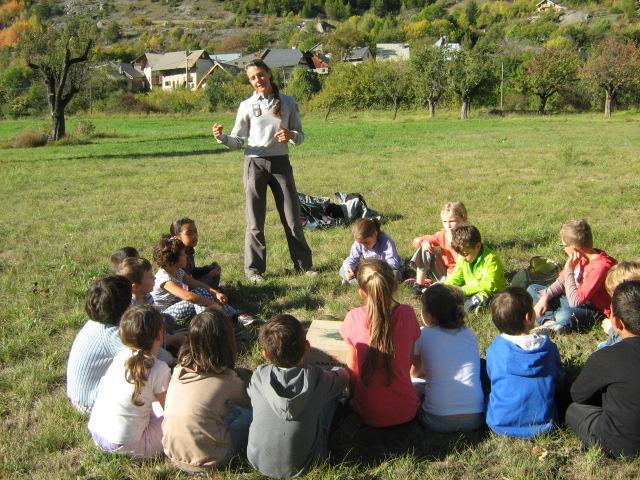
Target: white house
[174,69]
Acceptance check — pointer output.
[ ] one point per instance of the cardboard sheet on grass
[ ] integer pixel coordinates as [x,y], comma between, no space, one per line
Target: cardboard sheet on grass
[327,347]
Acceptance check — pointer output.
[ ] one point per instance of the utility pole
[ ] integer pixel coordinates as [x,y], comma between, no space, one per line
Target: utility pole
[501,83]
[186,68]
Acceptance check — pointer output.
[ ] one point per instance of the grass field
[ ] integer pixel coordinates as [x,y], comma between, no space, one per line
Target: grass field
[65,208]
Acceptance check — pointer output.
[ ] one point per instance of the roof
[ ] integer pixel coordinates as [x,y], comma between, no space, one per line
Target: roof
[243,61]
[551,2]
[282,57]
[173,60]
[392,50]
[225,57]
[128,70]
[357,53]
[442,42]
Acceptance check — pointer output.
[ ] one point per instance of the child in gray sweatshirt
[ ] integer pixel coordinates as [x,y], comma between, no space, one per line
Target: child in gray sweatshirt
[293,403]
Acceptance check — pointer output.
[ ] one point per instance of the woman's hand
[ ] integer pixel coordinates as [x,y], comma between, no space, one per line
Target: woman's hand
[282,135]
[217,130]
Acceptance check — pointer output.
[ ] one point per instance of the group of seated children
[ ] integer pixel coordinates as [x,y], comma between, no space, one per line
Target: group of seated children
[283,419]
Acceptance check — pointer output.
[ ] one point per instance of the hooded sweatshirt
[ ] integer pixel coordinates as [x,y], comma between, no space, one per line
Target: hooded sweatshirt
[195,436]
[523,386]
[287,437]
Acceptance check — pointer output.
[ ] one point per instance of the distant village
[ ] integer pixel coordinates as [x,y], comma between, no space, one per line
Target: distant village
[191,69]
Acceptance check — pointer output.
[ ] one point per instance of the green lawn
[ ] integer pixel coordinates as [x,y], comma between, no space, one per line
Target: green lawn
[65,208]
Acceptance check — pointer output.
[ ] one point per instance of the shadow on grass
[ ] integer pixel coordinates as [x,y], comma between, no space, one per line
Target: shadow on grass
[372,446]
[158,155]
[525,244]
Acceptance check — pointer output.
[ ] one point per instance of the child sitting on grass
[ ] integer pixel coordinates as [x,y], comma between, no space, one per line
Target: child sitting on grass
[380,336]
[435,257]
[138,272]
[169,293]
[478,271]
[369,242]
[98,341]
[446,356]
[524,369]
[617,274]
[185,229]
[578,296]
[293,403]
[206,415]
[122,419]
[118,256]
[606,411]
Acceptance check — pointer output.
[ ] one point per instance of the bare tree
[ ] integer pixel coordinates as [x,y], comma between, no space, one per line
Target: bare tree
[613,68]
[60,55]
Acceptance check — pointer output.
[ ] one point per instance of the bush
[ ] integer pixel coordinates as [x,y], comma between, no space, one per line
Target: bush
[85,129]
[30,139]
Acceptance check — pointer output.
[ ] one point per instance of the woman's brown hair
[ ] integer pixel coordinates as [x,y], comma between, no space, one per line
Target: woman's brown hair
[139,328]
[375,277]
[211,344]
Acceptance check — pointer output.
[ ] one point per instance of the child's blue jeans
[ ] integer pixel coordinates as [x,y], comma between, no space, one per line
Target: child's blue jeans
[561,313]
[238,420]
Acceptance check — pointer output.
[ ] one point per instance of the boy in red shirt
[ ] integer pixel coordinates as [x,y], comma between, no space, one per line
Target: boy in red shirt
[578,296]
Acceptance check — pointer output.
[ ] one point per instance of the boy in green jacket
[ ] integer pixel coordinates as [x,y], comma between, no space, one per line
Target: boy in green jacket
[478,271]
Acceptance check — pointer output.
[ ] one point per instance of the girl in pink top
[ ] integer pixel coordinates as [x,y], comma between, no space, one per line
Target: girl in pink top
[435,258]
[381,335]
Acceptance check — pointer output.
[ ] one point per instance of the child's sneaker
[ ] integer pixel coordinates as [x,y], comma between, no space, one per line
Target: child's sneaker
[550,328]
[246,319]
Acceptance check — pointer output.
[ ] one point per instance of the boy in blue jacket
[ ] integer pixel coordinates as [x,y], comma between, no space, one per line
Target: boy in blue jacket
[525,370]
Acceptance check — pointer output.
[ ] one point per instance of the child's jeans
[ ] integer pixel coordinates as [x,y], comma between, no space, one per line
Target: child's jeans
[561,313]
[238,420]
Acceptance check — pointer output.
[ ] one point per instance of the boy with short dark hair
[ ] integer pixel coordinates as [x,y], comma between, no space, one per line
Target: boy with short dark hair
[140,273]
[478,271]
[118,256]
[98,341]
[524,369]
[578,296]
[607,391]
[293,403]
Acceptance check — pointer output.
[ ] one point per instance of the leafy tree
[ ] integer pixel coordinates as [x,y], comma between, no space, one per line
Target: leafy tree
[395,81]
[468,72]
[303,84]
[337,89]
[471,11]
[113,32]
[343,39]
[60,56]
[614,68]
[429,65]
[548,72]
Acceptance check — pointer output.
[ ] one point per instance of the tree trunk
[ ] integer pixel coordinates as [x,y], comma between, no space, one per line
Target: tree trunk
[326,116]
[464,110]
[608,104]
[542,105]
[432,108]
[58,125]
[396,104]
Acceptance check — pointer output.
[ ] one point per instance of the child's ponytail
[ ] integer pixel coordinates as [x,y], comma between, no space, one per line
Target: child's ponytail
[139,328]
[376,278]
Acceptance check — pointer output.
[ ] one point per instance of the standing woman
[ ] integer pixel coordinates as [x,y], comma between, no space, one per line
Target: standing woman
[269,121]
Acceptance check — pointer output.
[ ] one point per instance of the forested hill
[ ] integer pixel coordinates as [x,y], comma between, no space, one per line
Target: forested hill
[128,28]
